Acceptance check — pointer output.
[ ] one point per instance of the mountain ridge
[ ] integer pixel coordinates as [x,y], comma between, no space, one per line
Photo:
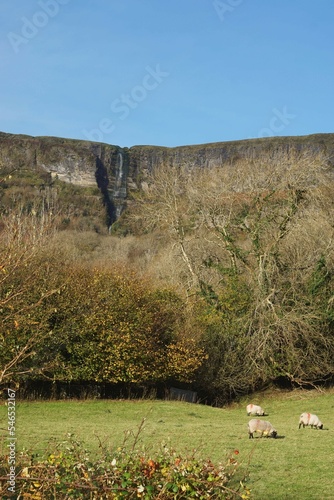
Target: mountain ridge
[118,171]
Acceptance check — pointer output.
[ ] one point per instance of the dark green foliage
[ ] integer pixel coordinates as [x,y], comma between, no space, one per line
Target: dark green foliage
[320,277]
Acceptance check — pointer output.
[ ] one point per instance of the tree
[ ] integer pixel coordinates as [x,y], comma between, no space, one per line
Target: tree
[27,280]
[263,225]
[115,328]
[167,205]
[267,236]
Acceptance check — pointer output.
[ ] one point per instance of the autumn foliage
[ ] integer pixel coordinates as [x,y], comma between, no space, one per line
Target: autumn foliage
[221,277]
[115,328]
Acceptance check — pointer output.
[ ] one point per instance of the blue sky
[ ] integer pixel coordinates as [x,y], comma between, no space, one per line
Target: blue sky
[166,72]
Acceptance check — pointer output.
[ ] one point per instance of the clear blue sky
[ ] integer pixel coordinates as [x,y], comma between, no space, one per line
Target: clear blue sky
[166,72]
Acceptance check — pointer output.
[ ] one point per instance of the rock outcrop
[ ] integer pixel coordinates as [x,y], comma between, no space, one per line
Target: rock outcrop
[117,171]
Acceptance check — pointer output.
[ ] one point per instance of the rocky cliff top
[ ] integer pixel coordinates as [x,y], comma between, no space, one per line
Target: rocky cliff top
[118,170]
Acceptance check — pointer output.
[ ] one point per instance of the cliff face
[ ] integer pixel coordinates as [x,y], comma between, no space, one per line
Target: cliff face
[215,154]
[117,171]
[81,163]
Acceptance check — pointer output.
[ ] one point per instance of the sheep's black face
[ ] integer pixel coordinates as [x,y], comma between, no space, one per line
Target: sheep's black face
[321,426]
[274,434]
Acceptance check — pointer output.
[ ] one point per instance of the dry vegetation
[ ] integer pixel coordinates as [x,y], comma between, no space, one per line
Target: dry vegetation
[248,248]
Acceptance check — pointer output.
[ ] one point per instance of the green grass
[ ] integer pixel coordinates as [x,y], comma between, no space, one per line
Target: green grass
[298,465]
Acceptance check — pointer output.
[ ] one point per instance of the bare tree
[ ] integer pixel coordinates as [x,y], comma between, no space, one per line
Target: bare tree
[165,205]
[265,224]
[26,284]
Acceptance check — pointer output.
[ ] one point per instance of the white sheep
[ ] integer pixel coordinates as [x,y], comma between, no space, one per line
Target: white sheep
[310,419]
[254,410]
[262,426]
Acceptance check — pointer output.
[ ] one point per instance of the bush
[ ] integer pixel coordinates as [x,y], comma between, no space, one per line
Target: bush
[67,471]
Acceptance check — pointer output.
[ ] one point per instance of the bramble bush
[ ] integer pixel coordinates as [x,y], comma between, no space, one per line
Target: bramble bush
[67,472]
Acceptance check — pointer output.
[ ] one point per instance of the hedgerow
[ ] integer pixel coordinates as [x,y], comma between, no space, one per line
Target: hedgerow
[68,471]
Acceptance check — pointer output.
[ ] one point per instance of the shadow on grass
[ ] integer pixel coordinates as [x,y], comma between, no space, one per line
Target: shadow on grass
[269,437]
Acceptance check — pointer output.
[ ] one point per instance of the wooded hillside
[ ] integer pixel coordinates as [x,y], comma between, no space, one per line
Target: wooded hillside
[217,279]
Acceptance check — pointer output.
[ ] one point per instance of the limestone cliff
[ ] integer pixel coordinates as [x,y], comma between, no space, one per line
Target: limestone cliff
[117,171]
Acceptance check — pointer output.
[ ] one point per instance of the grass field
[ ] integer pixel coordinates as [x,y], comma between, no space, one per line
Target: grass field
[298,465]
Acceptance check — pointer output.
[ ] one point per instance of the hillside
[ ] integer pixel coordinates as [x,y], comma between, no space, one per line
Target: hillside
[222,263]
[120,172]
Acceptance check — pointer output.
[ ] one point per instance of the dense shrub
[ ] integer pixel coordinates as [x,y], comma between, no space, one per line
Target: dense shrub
[111,326]
[68,471]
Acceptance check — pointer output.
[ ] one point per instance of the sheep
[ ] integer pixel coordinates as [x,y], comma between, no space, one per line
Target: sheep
[310,419]
[262,426]
[254,410]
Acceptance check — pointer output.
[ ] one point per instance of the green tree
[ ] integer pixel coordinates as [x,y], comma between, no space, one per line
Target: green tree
[114,327]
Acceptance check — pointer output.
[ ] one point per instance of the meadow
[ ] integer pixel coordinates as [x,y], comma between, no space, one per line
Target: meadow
[297,465]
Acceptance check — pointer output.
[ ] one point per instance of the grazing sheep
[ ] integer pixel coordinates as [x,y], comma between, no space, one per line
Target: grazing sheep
[254,410]
[310,419]
[262,426]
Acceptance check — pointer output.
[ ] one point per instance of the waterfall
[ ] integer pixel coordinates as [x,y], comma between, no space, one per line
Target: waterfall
[119,170]
[120,191]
